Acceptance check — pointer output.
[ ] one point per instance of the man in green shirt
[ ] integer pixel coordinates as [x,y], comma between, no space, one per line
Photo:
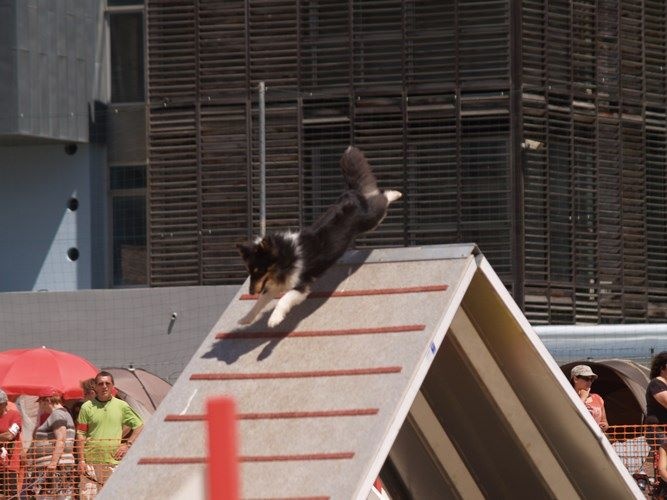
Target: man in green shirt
[99,434]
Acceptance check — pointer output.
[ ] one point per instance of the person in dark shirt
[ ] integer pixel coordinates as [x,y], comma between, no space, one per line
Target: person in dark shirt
[656,392]
[656,411]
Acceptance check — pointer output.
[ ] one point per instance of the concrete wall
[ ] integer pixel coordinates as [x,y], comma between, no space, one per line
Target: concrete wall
[116,328]
[36,183]
[49,55]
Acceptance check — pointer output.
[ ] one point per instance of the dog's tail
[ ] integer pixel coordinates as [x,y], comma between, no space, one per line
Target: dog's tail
[357,172]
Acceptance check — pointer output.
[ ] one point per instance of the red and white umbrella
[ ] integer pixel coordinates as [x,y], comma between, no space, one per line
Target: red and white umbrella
[42,370]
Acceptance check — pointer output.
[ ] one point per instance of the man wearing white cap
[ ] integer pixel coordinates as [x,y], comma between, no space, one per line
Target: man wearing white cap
[582,379]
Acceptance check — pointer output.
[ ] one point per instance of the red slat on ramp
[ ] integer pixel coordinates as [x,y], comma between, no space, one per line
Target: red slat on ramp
[268,334]
[380,370]
[344,455]
[357,412]
[365,293]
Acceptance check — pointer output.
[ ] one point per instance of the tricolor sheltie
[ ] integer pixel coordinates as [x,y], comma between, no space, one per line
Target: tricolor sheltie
[288,262]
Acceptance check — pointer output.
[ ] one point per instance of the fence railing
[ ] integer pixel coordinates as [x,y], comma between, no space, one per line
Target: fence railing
[636,445]
[31,474]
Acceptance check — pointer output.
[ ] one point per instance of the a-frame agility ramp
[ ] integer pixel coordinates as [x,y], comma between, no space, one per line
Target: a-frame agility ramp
[416,355]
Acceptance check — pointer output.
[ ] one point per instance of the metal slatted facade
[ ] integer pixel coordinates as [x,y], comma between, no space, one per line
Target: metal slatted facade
[440,95]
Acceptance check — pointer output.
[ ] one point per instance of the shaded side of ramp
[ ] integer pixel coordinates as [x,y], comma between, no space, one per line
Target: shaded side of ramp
[418,355]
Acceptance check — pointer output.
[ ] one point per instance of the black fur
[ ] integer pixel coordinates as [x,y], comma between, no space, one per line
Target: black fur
[292,261]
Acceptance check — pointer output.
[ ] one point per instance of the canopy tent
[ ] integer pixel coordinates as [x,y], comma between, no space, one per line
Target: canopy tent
[622,384]
[141,389]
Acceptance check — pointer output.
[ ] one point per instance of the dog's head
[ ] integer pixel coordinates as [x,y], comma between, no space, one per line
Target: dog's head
[259,258]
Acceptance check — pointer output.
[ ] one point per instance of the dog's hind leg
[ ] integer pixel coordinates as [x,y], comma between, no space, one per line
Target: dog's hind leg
[260,304]
[285,304]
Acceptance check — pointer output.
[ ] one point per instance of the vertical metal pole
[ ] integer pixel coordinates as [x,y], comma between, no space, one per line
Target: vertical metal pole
[262,160]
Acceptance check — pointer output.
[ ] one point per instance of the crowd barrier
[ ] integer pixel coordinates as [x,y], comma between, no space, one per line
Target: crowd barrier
[35,480]
[635,445]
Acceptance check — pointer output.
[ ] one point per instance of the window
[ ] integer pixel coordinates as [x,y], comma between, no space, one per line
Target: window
[127,179]
[128,200]
[127,56]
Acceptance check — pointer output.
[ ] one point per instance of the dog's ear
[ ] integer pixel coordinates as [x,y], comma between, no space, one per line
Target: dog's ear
[245,250]
[266,246]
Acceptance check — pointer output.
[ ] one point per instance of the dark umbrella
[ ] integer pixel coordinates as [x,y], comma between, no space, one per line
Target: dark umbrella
[140,385]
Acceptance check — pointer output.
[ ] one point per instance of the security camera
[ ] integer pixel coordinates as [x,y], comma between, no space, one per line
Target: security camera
[532,144]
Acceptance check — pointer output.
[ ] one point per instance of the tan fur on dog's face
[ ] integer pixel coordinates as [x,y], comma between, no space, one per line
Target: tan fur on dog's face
[259,260]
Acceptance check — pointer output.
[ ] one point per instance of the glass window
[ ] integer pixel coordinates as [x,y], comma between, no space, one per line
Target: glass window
[127,57]
[129,240]
[132,177]
[117,3]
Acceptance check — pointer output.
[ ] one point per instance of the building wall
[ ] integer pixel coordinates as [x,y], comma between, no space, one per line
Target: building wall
[594,97]
[49,51]
[536,130]
[38,228]
[116,328]
[422,87]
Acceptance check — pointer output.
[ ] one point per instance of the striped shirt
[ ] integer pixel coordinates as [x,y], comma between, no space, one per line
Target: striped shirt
[44,441]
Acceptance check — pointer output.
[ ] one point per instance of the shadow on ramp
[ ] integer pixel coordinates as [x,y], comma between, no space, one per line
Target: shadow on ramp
[249,338]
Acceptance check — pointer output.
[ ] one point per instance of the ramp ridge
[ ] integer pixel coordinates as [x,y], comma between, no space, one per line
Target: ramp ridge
[269,334]
[342,455]
[356,412]
[365,292]
[380,370]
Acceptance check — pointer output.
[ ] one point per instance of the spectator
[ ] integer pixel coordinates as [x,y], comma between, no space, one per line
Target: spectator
[656,408]
[88,388]
[11,472]
[53,447]
[582,379]
[656,392]
[99,437]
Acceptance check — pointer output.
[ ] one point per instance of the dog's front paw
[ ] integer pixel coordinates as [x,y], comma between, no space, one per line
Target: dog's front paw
[276,318]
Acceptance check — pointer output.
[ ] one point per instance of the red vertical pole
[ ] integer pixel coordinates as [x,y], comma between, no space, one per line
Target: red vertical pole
[223,469]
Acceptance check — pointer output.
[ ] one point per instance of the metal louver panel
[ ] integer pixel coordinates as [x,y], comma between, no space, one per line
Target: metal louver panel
[225,191]
[384,75]
[484,54]
[283,176]
[172,152]
[223,143]
[273,37]
[378,126]
[434,94]
[324,45]
[173,192]
[655,58]
[591,222]
[433,190]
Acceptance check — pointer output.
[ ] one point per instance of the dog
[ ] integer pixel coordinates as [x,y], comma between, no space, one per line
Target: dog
[289,262]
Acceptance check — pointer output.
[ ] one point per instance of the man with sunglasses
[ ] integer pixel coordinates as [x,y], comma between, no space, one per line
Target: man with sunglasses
[99,437]
[582,379]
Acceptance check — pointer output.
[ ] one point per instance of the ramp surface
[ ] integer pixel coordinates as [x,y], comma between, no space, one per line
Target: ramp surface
[322,397]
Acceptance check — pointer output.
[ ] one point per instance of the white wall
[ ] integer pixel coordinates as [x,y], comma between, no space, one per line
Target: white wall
[37,228]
